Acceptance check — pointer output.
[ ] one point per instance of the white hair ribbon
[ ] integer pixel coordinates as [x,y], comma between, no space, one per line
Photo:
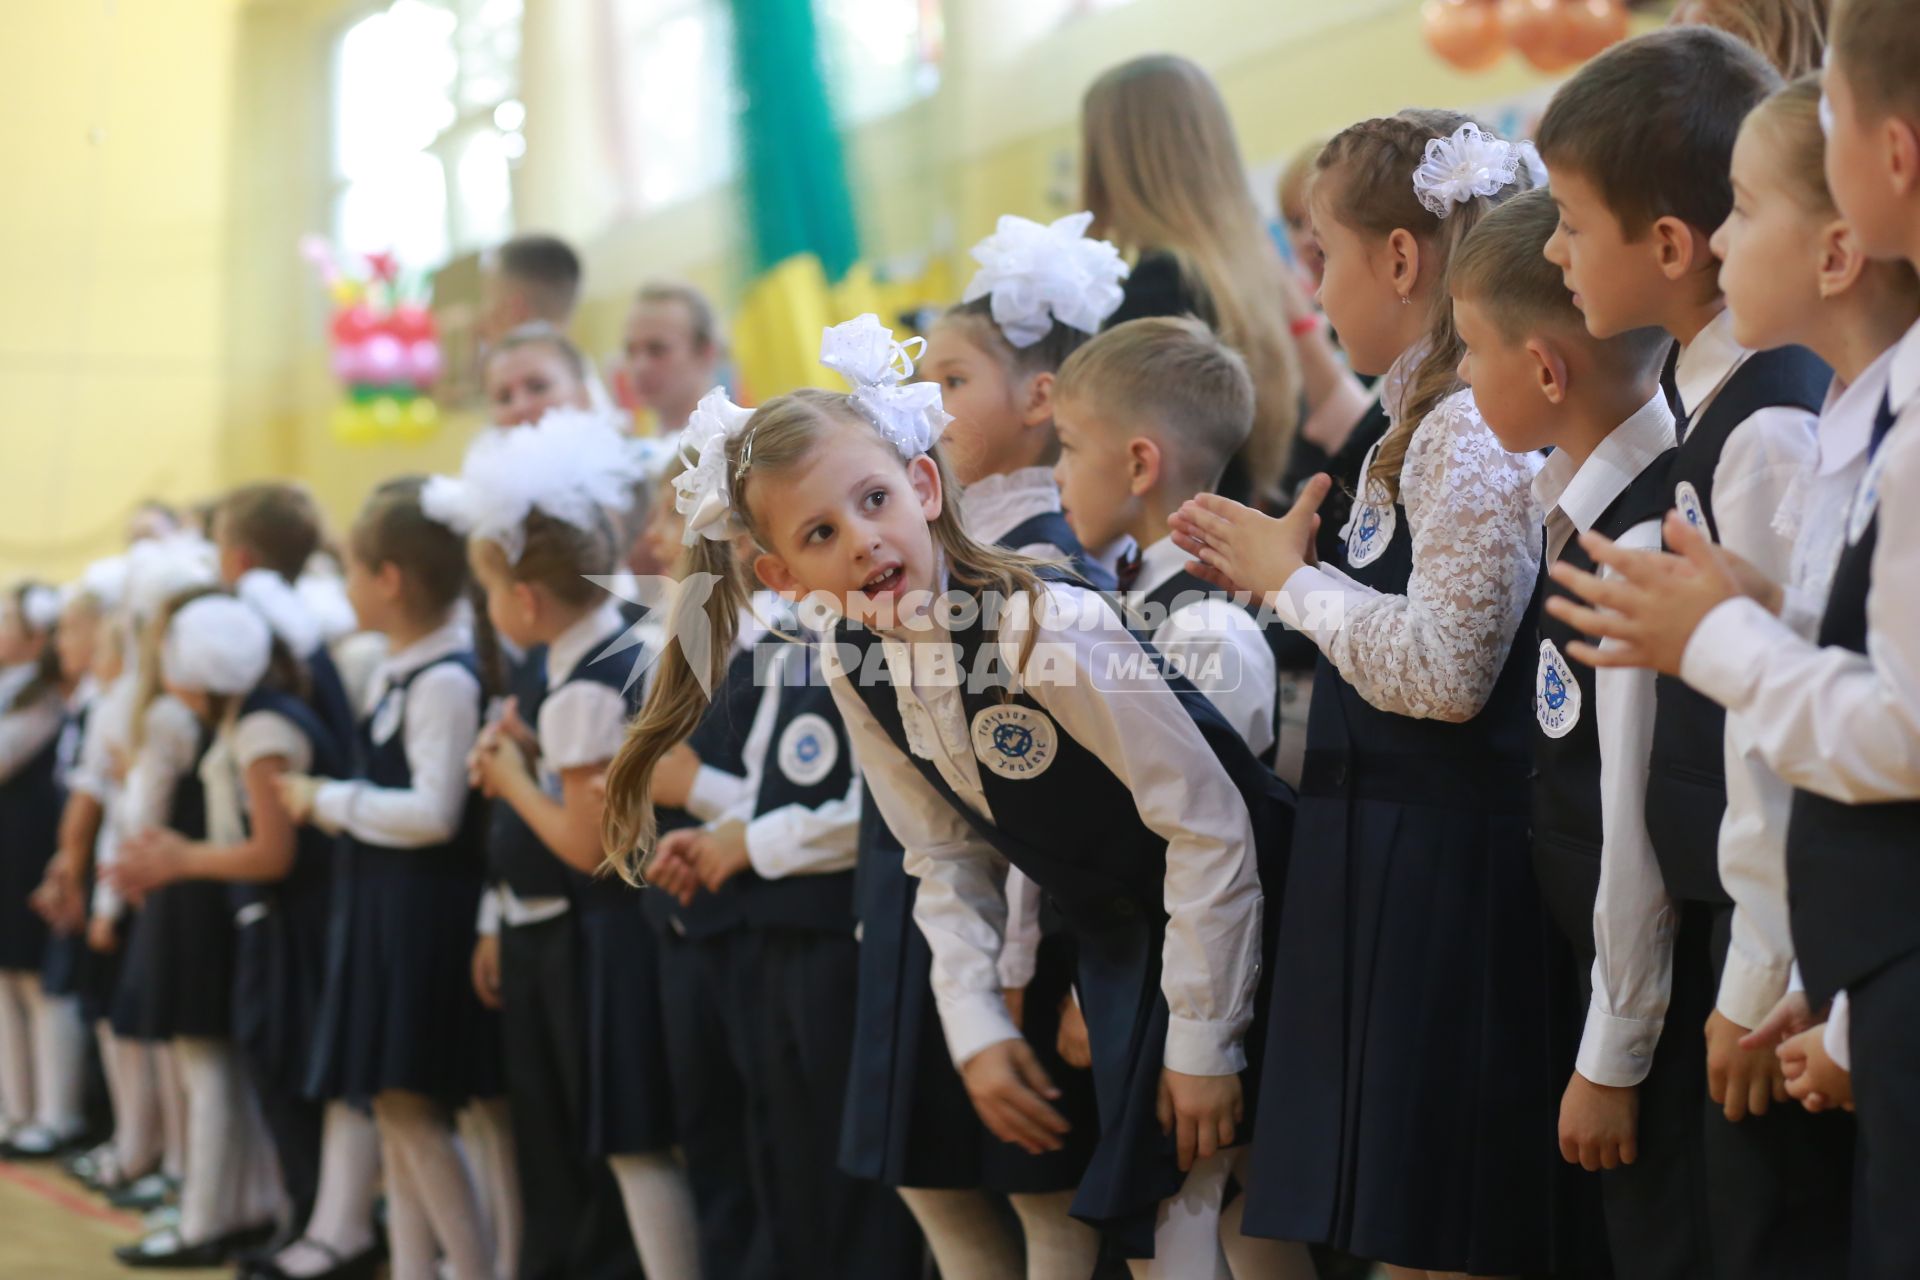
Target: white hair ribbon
[1471,163]
[908,414]
[1039,275]
[104,582]
[216,644]
[40,608]
[160,568]
[700,492]
[283,609]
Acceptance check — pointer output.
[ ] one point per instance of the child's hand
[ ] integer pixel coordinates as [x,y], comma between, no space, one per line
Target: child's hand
[719,854]
[1239,549]
[147,861]
[515,728]
[1742,1081]
[1071,1042]
[1200,1111]
[500,763]
[1652,606]
[670,869]
[58,899]
[297,791]
[673,777]
[1598,1124]
[486,969]
[1013,1095]
[1790,1016]
[1813,1077]
[101,935]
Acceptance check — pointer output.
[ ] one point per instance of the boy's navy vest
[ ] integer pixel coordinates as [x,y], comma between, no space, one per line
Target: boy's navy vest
[1185,586]
[1687,779]
[384,764]
[313,848]
[1072,826]
[1853,870]
[515,856]
[1568,823]
[810,763]
[1052,528]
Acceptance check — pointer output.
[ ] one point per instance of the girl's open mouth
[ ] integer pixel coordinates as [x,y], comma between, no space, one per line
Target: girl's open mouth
[884,582]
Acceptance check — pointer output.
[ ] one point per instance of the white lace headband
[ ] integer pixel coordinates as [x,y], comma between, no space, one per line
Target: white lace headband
[1040,275]
[908,414]
[700,491]
[1472,162]
[574,465]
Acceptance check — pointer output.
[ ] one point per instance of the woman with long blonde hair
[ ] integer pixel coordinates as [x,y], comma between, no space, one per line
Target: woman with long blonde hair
[1161,172]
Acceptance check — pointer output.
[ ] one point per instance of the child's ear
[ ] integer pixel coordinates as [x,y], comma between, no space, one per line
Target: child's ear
[1143,465]
[1903,154]
[1841,261]
[1039,407]
[1679,246]
[1403,261]
[1549,369]
[526,598]
[774,574]
[924,476]
[391,582]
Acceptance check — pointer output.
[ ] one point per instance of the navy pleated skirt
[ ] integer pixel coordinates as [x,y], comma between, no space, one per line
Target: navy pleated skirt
[629,1092]
[177,979]
[279,974]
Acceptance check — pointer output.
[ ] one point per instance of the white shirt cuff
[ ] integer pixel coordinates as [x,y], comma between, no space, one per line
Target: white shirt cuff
[975,1023]
[489,923]
[1616,1051]
[714,791]
[1749,988]
[1724,654]
[1315,602]
[1837,1038]
[1198,1048]
[333,806]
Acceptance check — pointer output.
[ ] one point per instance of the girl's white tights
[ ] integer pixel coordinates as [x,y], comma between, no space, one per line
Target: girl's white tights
[659,1205]
[135,1094]
[222,1135]
[968,1239]
[1059,1246]
[431,1198]
[342,1221]
[1193,1237]
[60,1050]
[1251,1257]
[173,1111]
[19,991]
[486,1132]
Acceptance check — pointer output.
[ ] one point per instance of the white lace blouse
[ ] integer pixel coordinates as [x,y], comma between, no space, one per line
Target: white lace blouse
[1435,652]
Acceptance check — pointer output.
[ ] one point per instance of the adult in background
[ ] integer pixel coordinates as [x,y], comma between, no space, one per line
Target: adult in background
[674,347]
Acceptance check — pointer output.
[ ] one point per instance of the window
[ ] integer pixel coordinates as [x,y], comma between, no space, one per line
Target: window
[674,78]
[427,128]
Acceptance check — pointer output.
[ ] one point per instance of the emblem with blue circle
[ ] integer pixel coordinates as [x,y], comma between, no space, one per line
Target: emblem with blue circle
[1014,742]
[1370,528]
[808,749]
[1556,694]
[1686,500]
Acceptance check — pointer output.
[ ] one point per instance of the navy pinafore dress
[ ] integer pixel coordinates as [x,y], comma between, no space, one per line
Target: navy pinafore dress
[398,1009]
[63,965]
[1079,837]
[29,828]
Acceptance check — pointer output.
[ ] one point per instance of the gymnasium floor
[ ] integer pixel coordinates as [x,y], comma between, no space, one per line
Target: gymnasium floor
[51,1229]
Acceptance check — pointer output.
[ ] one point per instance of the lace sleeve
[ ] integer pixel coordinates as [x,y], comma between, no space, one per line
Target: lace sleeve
[1435,652]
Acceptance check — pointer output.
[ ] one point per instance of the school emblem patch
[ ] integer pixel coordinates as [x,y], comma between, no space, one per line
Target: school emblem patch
[1556,694]
[808,750]
[1686,500]
[1866,499]
[1015,742]
[1370,529]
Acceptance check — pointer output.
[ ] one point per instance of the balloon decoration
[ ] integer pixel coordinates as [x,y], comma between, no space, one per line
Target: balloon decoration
[385,345]
[1552,35]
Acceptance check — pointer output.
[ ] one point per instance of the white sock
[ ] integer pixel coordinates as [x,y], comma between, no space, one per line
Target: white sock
[1059,1246]
[660,1213]
[410,1246]
[60,1052]
[425,1164]
[343,1203]
[217,1138]
[486,1131]
[1186,1238]
[136,1101]
[16,1048]
[1250,1257]
[968,1239]
[173,1110]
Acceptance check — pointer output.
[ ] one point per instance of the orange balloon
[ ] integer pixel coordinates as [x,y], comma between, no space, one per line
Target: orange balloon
[1465,33]
[1593,25]
[1537,29]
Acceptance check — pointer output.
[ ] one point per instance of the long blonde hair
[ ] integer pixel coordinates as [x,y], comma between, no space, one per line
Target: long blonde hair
[1161,171]
[1368,169]
[779,436]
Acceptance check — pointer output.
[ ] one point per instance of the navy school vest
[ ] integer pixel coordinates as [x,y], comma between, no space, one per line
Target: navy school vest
[313,848]
[1186,585]
[1687,779]
[1567,818]
[1059,814]
[384,764]
[1052,528]
[1853,874]
[515,856]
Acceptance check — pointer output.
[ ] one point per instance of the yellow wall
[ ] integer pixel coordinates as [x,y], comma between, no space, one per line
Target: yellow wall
[114,307]
[196,355]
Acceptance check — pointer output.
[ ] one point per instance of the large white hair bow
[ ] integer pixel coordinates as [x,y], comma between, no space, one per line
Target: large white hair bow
[1037,275]
[283,609]
[908,414]
[573,465]
[40,608]
[160,568]
[104,582]
[1472,162]
[700,492]
[216,644]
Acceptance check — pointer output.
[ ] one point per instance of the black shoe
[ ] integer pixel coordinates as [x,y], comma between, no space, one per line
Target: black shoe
[144,1193]
[361,1266]
[164,1250]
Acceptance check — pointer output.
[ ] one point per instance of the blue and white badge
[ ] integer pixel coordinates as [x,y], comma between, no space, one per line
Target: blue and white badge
[1556,694]
[1370,527]
[1866,499]
[808,750]
[1686,500]
[1015,742]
